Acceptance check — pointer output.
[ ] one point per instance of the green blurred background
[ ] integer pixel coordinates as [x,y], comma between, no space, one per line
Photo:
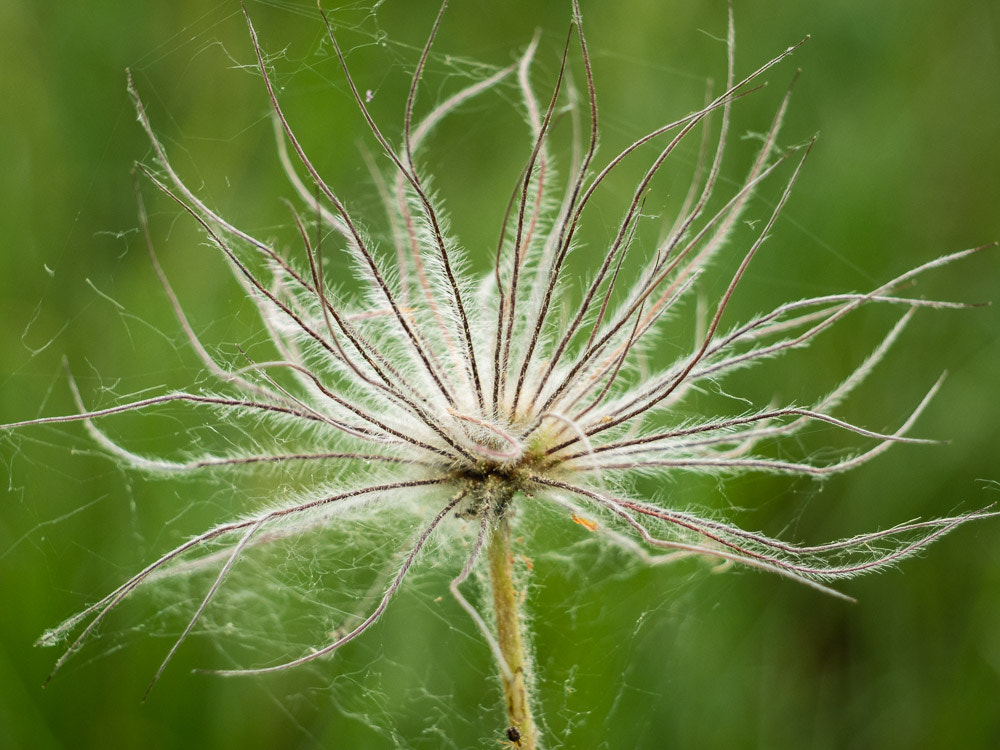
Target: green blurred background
[906,97]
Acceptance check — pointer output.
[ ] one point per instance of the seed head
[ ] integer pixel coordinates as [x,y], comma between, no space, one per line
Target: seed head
[473,398]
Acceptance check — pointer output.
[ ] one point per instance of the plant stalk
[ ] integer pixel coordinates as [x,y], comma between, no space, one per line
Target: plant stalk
[505,609]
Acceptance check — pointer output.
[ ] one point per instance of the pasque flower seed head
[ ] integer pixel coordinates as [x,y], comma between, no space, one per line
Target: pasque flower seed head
[476,397]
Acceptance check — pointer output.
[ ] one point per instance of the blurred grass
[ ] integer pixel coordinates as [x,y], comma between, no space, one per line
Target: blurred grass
[906,97]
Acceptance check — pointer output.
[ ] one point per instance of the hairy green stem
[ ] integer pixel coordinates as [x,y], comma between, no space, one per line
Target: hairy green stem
[505,608]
